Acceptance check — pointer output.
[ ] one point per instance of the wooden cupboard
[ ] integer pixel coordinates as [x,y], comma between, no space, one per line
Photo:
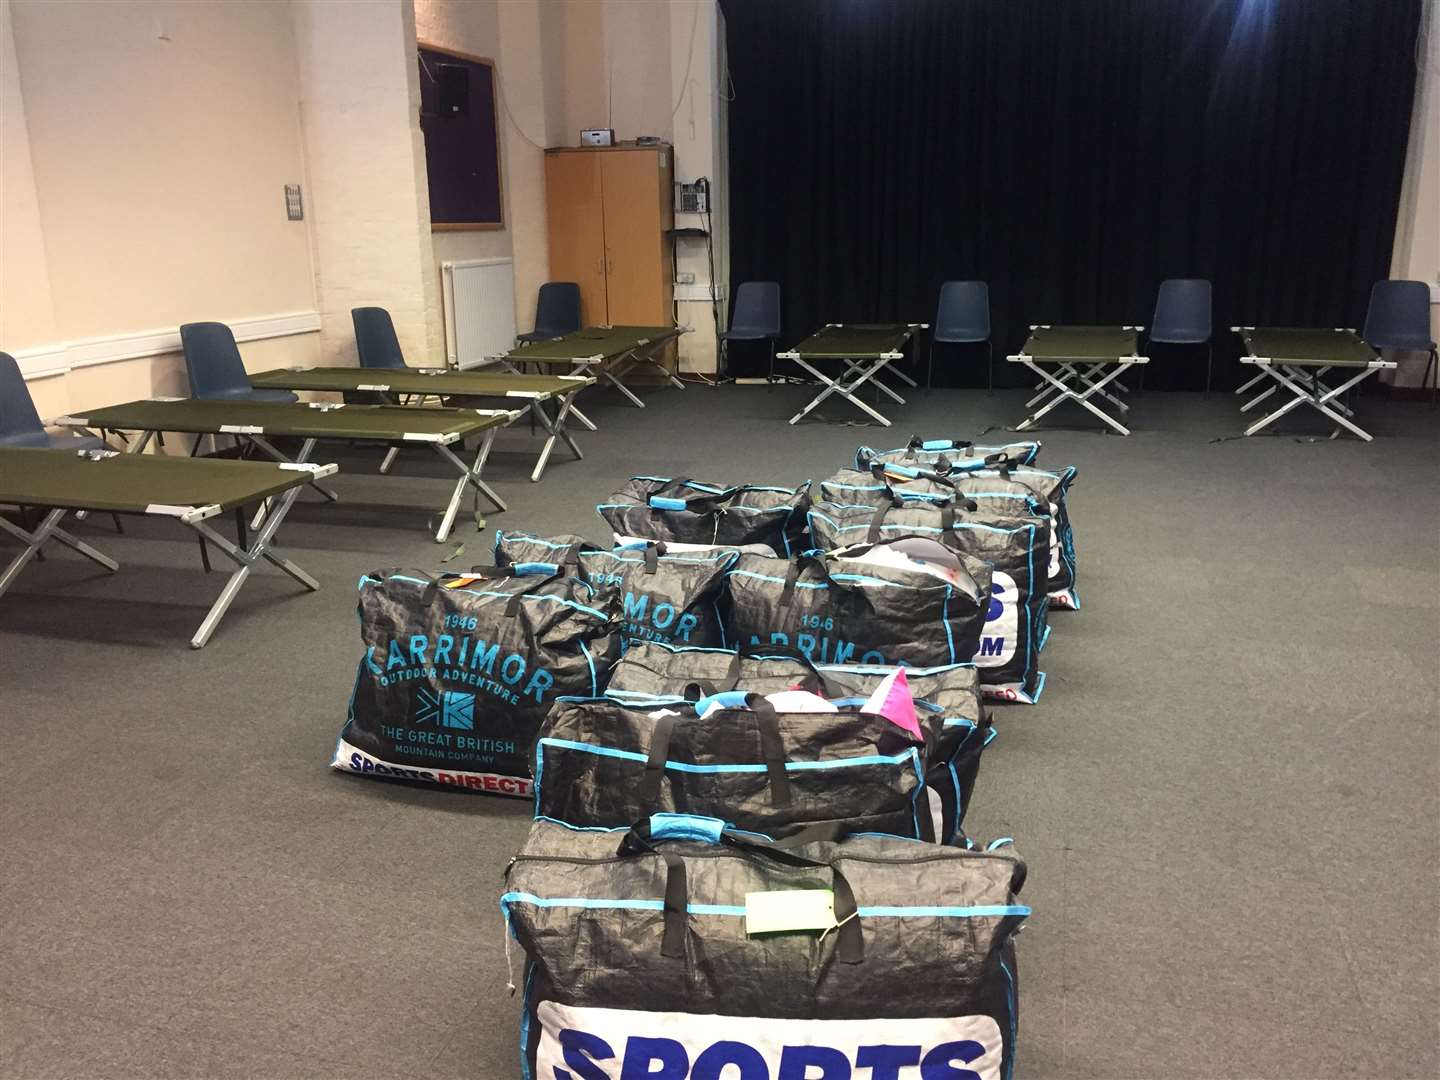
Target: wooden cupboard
[608,211]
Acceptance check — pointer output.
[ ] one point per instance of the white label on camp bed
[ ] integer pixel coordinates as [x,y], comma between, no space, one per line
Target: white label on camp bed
[578,1041]
[373,386]
[164,399]
[70,421]
[425,436]
[241,429]
[574,378]
[325,406]
[169,510]
[298,466]
[496,412]
[525,393]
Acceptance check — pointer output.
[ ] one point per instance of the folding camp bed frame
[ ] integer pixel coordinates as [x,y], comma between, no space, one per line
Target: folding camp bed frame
[605,351]
[1296,360]
[1087,363]
[394,385]
[190,490]
[258,422]
[865,350]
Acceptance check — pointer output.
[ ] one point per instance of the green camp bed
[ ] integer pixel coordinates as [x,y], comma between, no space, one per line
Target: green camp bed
[865,350]
[190,490]
[258,422]
[1297,360]
[606,351]
[1079,364]
[396,384]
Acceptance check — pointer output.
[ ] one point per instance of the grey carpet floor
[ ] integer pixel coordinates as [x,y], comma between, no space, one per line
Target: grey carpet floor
[1229,796]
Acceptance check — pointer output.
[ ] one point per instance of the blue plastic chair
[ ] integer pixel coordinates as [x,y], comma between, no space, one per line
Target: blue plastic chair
[963,318]
[1182,317]
[1399,318]
[755,316]
[557,311]
[20,423]
[216,371]
[375,338]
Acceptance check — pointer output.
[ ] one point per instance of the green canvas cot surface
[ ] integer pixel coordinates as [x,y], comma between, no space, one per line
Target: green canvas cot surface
[131,483]
[399,423]
[420,381]
[1315,348]
[1080,343]
[605,342]
[857,342]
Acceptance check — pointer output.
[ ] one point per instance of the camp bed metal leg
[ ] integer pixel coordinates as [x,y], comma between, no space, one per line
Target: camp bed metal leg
[1249,383]
[390,456]
[469,476]
[245,559]
[879,384]
[834,386]
[306,448]
[1319,402]
[556,428]
[614,380]
[582,369]
[1065,392]
[48,528]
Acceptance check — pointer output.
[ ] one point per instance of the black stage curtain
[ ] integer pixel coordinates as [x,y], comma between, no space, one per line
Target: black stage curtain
[1072,153]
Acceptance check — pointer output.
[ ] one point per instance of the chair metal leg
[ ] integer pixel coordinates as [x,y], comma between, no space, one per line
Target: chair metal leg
[930,365]
[1430,366]
[118,527]
[1209,364]
[770,379]
[989,366]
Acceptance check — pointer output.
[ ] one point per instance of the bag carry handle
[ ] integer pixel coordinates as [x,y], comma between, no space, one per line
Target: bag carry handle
[650,551]
[797,566]
[917,443]
[814,680]
[880,470]
[767,724]
[646,834]
[660,500]
[540,572]
[876,535]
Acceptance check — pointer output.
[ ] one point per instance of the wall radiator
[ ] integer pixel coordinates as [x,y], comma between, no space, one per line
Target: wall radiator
[479,297]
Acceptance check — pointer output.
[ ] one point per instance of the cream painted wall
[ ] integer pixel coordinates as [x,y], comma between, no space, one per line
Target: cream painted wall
[166,204]
[369,208]
[27,313]
[137,196]
[1417,230]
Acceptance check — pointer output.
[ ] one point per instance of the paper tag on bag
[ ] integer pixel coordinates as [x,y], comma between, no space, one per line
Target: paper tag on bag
[789,909]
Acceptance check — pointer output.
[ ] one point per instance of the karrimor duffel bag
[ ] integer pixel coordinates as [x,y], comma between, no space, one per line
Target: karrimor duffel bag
[837,610]
[681,511]
[1005,490]
[459,671]
[1008,650]
[670,596]
[947,454]
[603,763]
[692,951]
[947,699]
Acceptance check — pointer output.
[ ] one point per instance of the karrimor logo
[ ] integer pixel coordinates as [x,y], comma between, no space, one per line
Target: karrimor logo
[445,708]
[1002,622]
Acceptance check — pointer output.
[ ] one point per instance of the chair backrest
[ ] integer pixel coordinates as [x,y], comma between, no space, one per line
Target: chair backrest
[375,338]
[19,422]
[1182,312]
[557,308]
[1399,316]
[964,312]
[213,361]
[757,309]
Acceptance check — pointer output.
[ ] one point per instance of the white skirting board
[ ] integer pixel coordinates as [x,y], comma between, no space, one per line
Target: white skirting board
[479,299]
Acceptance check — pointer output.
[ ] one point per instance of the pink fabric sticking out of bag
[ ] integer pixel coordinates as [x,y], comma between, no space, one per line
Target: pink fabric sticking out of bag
[892,700]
